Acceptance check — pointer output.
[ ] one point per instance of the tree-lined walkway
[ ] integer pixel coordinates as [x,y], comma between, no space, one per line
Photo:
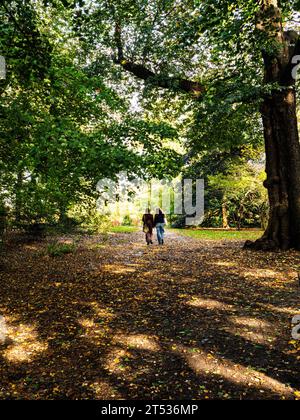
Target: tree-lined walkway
[117,319]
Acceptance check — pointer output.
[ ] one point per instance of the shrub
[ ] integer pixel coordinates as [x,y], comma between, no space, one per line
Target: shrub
[58,249]
[88,218]
[127,221]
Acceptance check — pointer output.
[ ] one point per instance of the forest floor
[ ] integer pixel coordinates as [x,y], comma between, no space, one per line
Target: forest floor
[115,319]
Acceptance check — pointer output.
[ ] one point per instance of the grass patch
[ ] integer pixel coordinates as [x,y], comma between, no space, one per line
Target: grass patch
[57,249]
[123,229]
[217,235]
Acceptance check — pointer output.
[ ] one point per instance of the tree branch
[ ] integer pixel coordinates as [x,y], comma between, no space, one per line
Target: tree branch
[141,72]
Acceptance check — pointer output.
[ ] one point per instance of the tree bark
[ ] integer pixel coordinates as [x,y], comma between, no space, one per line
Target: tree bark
[281,141]
[3,215]
[18,197]
[225,224]
[140,71]
[283,172]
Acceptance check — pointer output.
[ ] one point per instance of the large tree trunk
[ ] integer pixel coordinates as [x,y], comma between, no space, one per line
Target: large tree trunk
[283,172]
[281,142]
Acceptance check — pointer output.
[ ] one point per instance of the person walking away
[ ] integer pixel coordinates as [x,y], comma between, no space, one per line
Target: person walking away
[148,224]
[159,223]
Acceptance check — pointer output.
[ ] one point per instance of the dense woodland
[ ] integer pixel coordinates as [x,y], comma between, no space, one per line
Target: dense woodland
[157,88]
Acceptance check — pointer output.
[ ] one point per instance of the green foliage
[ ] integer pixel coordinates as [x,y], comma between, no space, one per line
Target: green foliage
[123,229]
[59,249]
[241,193]
[86,215]
[127,221]
[233,184]
[62,127]
[217,235]
[71,115]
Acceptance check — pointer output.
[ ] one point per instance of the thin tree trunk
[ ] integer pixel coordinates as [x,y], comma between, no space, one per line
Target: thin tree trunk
[18,202]
[224,216]
[3,215]
[62,215]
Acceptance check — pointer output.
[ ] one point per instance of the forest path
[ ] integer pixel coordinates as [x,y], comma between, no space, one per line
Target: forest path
[118,319]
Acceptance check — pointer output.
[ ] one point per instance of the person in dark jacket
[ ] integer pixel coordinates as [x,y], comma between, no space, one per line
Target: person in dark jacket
[159,223]
[148,223]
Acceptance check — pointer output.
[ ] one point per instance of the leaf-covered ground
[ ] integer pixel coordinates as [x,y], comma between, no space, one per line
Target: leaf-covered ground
[117,319]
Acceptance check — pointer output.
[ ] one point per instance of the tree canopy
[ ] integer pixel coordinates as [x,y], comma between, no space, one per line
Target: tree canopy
[97,87]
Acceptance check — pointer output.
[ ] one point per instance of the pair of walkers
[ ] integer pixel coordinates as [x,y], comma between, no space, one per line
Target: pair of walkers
[150,222]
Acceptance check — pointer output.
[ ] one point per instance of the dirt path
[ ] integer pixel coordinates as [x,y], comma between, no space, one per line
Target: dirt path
[192,319]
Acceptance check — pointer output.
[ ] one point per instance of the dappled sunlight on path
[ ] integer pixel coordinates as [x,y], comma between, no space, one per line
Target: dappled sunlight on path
[118,319]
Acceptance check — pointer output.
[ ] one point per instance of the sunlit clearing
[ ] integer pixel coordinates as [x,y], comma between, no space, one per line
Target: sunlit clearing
[188,280]
[96,328]
[252,329]
[224,264]
[87,323]
[118,269]
[263,273]
[281,310]
[96,332]
[114,360]
[65,242]
[250,322]
[102,389]
[31,247]
[139,341]
[208,364]
[25,345]
[208,303]
[101,312]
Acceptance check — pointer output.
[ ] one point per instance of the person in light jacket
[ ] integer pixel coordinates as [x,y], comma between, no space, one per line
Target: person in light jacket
[159,224]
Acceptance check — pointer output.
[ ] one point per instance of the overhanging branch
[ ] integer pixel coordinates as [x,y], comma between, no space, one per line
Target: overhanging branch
[142,72]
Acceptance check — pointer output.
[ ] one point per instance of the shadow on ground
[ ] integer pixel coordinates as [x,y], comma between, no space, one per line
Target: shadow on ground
[192,319]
